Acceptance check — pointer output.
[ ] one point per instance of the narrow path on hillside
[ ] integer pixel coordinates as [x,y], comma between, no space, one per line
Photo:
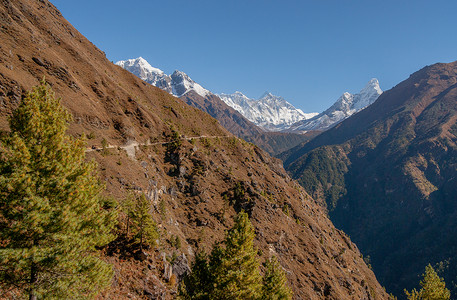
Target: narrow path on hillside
[130,146]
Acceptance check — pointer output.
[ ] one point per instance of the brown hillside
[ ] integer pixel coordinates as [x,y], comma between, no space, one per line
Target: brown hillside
[192,190]
[389,172]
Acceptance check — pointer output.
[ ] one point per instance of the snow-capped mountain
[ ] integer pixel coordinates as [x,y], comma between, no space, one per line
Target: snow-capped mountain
[344,107]
[177,83]
[270,112]
[182,84]
[141,68]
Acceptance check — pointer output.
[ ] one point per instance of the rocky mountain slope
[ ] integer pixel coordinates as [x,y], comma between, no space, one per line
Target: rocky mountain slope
[347,105]
[193,189]
[387,175]
[181,85]
[269,111]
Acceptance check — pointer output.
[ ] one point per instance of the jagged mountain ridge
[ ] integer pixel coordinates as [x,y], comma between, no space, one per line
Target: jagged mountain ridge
[181,85]
[271,112]
[389,172]
[178,83]
[142,69]
[347,105]
[110,104]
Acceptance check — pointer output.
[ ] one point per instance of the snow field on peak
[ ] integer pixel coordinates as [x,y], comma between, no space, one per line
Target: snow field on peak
[176,84]
[181,79]
[270,112]
[346,105]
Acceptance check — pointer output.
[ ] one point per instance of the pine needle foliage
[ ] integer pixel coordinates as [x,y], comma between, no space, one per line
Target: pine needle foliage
[128,209]
[145,229]
[199,283]
[433,287]
[51,220]
[275,282]
[236,268]
[232,272]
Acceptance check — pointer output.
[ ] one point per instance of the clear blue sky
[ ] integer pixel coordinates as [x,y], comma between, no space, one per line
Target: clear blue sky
[308,51]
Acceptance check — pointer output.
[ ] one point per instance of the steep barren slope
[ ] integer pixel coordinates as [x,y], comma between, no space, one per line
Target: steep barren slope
[192,189]
[388,176]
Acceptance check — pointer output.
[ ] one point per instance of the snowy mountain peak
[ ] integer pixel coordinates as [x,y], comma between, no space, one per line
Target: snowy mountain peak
[346,95]
[269,111]
[367,95]
[374,83]
[240,94]
[267,95]
[143,63]
[182,84]
[372,87]
[178,84]
[142,68]
[346,105]
[178,73]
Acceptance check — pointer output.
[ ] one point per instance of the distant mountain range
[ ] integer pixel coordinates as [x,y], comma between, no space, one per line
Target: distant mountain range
[270,112]
[182,86]
[347,105]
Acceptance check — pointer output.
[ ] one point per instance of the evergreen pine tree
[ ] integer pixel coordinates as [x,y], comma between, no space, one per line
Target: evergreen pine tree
[232,272]
[198,284]
[128,208]
[433,287]
[50,214]
[236,268]
[275,282]
[145,227]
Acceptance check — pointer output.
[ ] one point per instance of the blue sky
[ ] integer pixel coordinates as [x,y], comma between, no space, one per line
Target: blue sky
[308,51]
